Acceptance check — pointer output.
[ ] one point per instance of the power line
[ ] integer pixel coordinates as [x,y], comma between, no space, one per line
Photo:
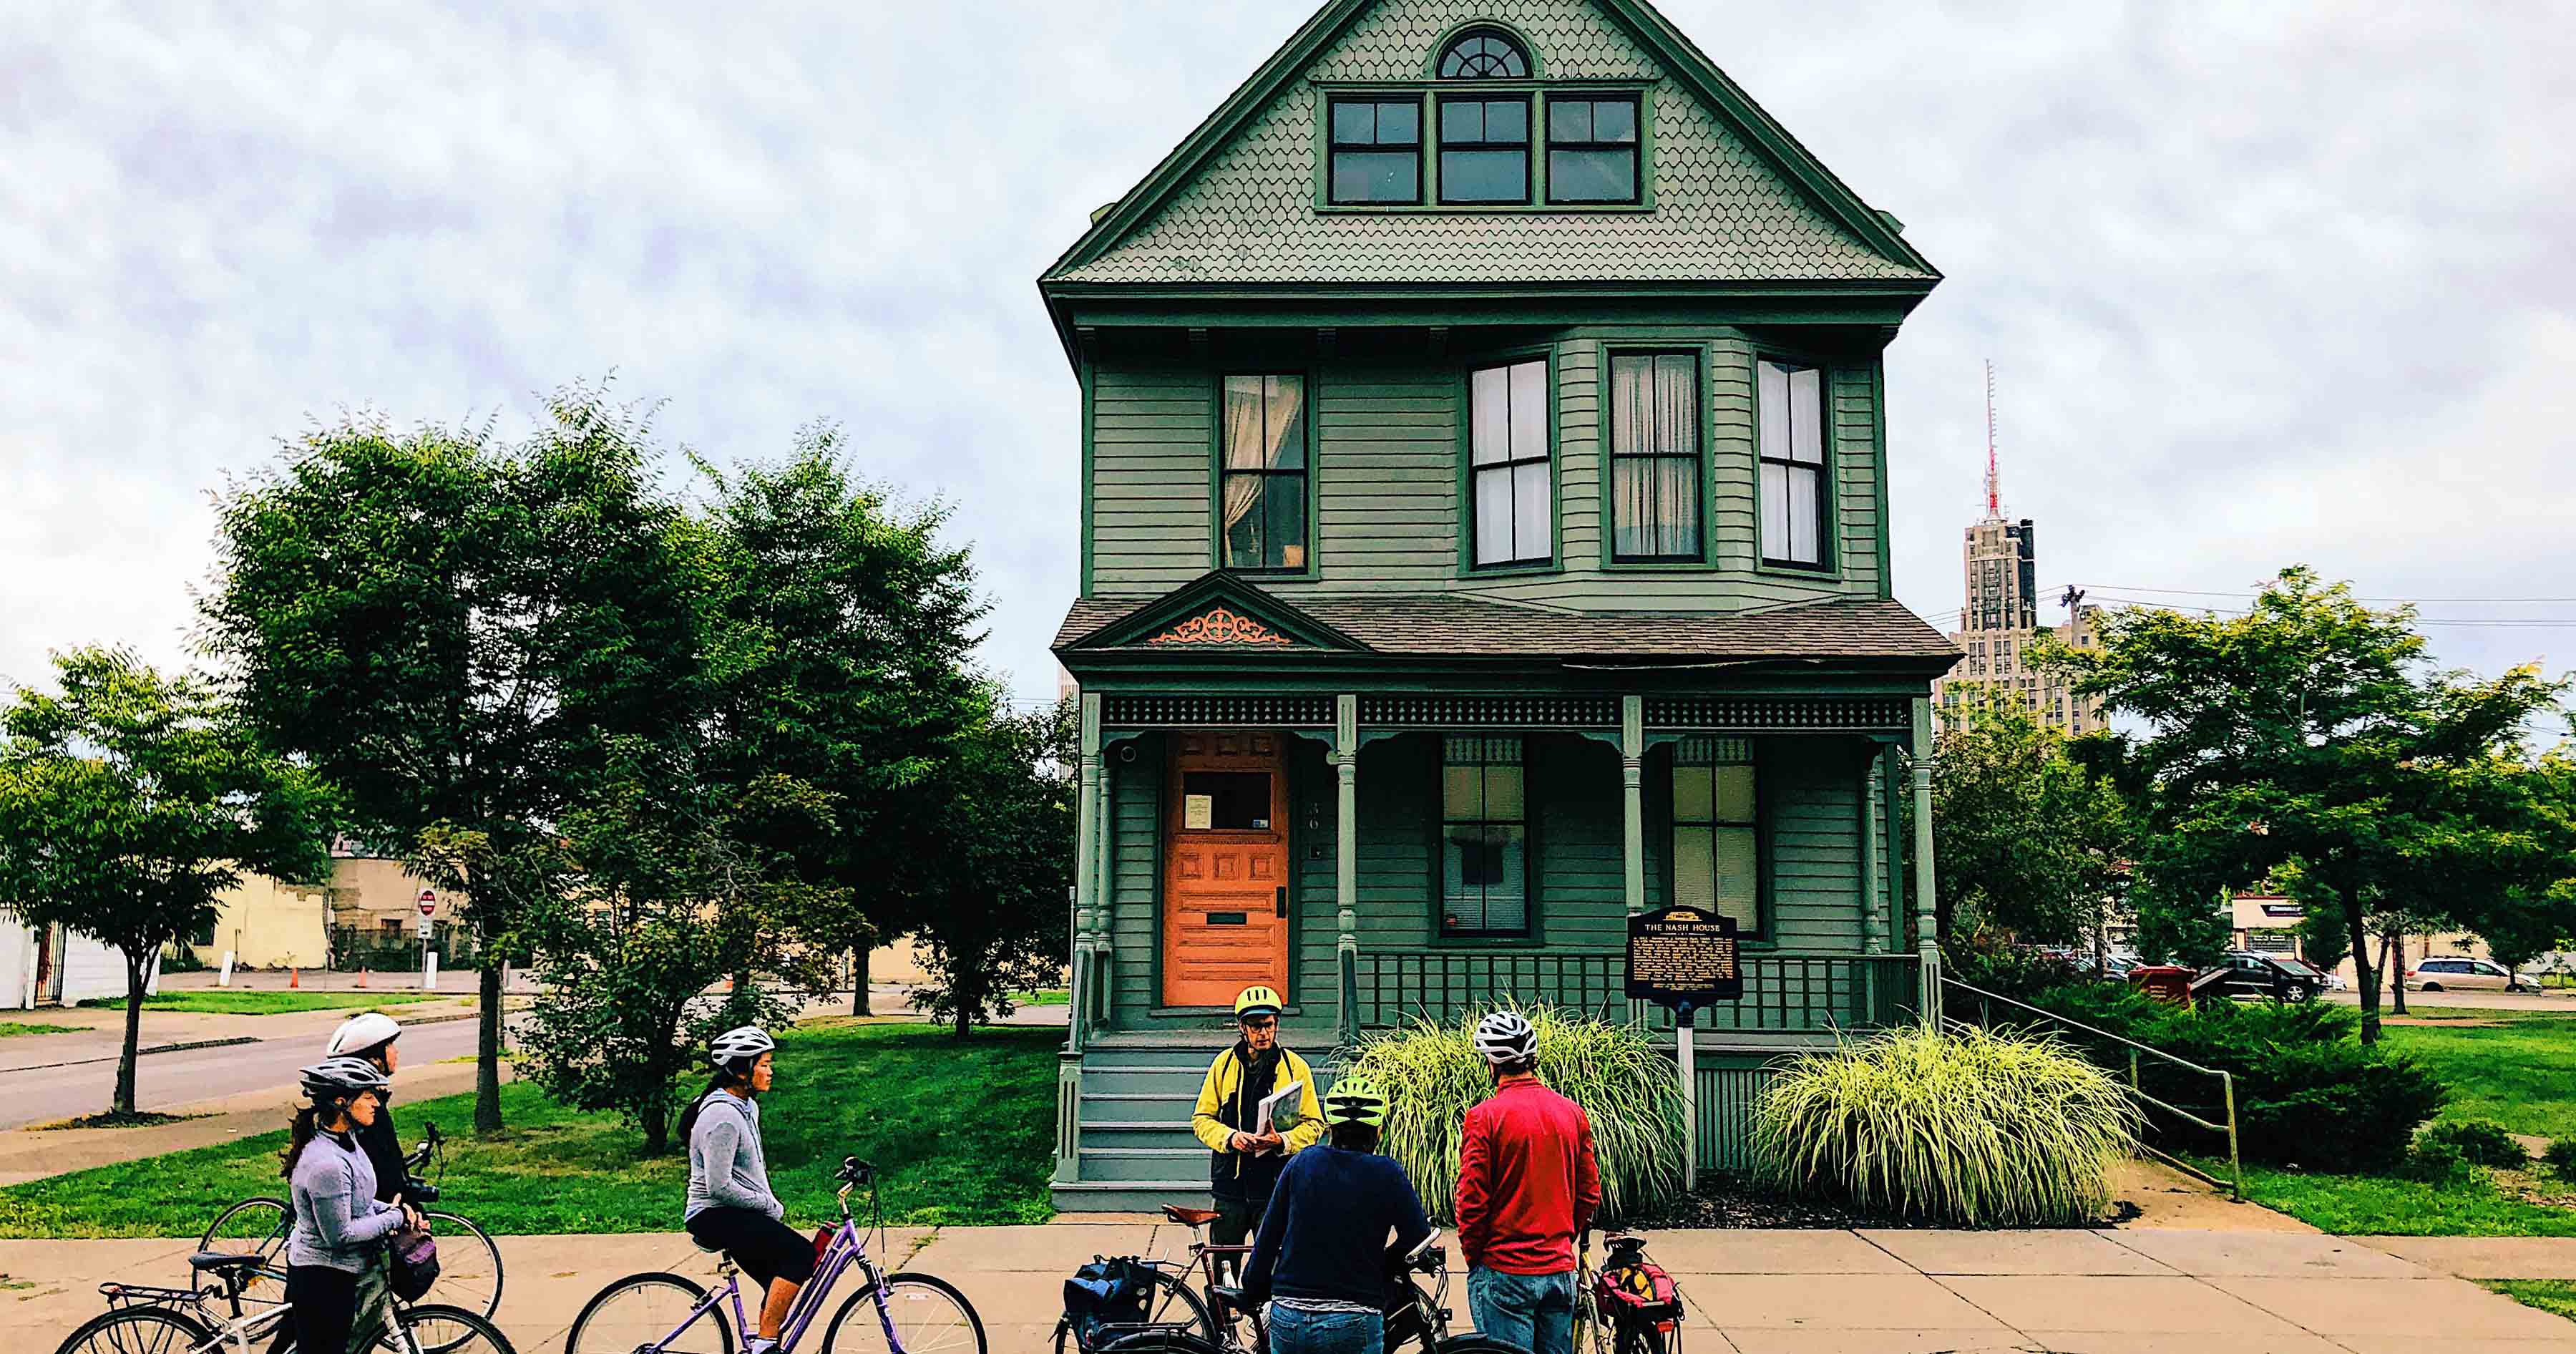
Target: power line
[2191,592]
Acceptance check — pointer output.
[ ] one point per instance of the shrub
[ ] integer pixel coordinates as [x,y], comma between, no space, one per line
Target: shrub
[2435,1162]
[2561,1159]
[1971,1128]
[2480,1143]
[1433,1075]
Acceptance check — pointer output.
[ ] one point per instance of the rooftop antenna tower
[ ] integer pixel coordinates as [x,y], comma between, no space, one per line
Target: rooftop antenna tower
[1994,478]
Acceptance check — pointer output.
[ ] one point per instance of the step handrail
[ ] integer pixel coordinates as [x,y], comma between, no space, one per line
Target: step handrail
[2226,1083]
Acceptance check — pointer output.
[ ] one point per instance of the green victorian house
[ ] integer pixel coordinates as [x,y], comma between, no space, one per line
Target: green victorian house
[1484,511]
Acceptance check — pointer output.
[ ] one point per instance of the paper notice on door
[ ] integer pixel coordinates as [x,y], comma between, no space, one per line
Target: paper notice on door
[1281,1109]
[1198,811]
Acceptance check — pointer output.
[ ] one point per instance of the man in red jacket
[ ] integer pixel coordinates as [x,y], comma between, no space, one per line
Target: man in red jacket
[1528,1185]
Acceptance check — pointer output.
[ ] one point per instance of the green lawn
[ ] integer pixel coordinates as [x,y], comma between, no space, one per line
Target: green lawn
[1053,996]
[2520,1073]
[10,1029]
[2371,1205]
[2549,1295]
[963,1130]
[221,1001]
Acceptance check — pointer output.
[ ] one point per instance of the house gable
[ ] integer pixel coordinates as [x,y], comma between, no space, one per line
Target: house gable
[1218,611]
[1733,197]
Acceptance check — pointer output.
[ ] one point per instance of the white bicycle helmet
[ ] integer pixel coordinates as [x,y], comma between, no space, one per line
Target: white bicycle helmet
[334,1077]
[362,1034]
[741,1044]
[1504,1037]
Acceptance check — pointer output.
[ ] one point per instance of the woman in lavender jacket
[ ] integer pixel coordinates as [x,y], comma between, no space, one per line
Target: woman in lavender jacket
[340,1224]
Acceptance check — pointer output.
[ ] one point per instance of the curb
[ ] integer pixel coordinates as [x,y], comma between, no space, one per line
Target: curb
[144,1052]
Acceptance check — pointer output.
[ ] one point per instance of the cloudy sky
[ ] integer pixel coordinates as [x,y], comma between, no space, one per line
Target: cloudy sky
[2263,282]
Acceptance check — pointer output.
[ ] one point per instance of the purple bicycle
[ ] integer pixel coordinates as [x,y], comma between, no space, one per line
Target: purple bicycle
[890,1314]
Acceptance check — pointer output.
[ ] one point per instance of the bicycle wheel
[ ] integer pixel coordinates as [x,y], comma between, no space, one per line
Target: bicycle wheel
[469,1265]
[1169,1301]
[435,1327]
[137,1330]
[638,1311]
[1476,1344]
[253,1227]
[926,1315]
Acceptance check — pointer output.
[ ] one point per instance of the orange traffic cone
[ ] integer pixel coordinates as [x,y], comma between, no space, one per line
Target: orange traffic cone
[294,978]
[362,977]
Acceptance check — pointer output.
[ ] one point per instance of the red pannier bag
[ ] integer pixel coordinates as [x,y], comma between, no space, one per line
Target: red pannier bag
[1639,1293]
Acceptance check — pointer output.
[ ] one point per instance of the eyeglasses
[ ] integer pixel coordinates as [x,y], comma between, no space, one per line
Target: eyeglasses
[1262,1023]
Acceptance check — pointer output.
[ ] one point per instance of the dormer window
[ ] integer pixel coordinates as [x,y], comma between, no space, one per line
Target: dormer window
[1484,54]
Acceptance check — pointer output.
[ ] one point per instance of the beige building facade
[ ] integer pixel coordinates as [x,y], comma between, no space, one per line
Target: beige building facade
[1999,631]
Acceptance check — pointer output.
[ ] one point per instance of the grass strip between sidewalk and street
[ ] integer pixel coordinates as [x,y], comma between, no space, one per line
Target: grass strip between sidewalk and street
[963,1131]
[218,1001]
[2519,1072]
[2549,1295]
[11,1029]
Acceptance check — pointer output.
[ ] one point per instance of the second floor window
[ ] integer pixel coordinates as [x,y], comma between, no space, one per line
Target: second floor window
[1791,398]
[1262,484]
[1484,838]
[1592,149]
[1654,457]
[1717,848]
[1508,458]
[1484,150]
[1377,151]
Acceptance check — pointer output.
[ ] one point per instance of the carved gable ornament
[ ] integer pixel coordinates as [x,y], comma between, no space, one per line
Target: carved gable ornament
[1218,626]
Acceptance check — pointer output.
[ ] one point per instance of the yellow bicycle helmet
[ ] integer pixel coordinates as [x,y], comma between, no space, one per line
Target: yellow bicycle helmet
[1355,1100]
[1257,1000]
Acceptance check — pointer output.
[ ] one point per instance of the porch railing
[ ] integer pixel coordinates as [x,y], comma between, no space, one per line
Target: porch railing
[1783,993]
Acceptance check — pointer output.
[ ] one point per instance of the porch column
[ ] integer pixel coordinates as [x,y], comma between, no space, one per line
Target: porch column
[1346,866]
[1891,807]
[1632,796]
[1927,936]
[1871,914]
[1086,876]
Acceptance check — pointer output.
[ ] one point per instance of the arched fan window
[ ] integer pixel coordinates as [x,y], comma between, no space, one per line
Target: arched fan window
[1484,54]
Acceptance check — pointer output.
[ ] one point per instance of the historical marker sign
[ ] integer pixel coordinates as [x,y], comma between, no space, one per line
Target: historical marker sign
[1682,956]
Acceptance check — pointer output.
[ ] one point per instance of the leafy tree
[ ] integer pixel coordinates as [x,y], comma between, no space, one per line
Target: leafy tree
[129,801]
[671,897]
[449,628]
[993,923]
[2312,730]
[839,632]
[2029,839]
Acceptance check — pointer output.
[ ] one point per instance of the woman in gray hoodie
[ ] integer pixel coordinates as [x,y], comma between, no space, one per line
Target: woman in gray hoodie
[731,1207]
[340,1224]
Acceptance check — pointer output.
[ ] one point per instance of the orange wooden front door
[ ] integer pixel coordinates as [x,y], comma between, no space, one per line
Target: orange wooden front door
[1225,868]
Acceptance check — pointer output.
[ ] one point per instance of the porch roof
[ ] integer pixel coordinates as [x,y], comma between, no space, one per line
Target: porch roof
[1452,625]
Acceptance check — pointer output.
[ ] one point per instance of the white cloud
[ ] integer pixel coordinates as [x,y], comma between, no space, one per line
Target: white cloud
[2266,283]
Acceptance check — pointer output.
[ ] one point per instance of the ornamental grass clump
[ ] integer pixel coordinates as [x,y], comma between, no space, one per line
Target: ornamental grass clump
[1971,1128]
[1433,1075]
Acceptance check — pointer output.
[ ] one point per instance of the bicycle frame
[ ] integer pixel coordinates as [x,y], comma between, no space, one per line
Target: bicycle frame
[848,1248]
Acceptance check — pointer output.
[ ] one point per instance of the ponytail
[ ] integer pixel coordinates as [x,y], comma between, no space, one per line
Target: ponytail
[302,1130]
[689,1116]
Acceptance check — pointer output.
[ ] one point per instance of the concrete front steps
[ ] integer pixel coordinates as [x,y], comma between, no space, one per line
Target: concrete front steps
[1136,1152]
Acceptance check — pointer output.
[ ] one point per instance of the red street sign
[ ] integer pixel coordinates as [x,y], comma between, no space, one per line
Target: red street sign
[428,902]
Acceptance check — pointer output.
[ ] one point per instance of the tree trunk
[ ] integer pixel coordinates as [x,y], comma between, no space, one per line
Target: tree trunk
[657,1124]
[2362,975]
[2395,967]
[133,1035]
[487,1048]
[859,981]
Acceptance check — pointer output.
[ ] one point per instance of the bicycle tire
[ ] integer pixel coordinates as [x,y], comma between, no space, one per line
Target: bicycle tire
[183,1333]
[1192,1313]
[253,1226]
[1476,1344]
[463,1285]
[226,1228]
[626,1344]
[447,1328]
[876,1332]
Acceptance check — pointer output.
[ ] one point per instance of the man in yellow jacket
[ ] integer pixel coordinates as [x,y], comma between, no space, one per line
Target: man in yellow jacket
[1228,1117]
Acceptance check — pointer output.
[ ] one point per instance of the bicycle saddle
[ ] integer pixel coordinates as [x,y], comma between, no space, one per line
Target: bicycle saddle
[1231,1297]
[216,1262]
[1189,1217]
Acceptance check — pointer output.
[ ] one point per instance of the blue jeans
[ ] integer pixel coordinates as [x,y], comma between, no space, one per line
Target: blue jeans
[1532,1311]
[1293,1331]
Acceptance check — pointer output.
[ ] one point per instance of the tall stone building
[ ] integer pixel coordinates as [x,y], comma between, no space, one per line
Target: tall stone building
[1999,625]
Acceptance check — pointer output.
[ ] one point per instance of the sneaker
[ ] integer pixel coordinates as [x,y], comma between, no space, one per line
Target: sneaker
[757,1345]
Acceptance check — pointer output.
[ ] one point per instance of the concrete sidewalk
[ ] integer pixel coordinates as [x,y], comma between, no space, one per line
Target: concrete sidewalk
[1749,1292]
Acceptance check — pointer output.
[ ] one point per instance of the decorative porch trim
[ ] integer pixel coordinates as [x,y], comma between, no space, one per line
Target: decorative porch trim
[1184,710]
[1803,713]
[1217,625]
[1411,711]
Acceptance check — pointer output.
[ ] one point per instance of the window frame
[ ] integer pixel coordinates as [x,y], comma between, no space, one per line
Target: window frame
[1423,142]
[1467,92]
[1760,932]
[1829,544]
[1637,176]
[1705,366]
[1532,933]
[1537,90]
[1217,472]
[1475,28]
[1555,561]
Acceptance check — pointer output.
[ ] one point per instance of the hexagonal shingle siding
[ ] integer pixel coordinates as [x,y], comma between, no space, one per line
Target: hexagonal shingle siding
[1722,212]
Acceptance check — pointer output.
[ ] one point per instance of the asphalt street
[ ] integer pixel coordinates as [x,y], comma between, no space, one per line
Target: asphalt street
[34,1095]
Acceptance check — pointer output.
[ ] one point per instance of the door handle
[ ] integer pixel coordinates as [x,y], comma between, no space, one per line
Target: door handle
[1283,900]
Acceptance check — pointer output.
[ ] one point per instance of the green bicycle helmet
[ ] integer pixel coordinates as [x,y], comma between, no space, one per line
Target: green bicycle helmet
[1355,1100]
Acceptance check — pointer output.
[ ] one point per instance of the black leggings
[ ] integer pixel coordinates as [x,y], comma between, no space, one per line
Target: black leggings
[766,1248]
[325,1303]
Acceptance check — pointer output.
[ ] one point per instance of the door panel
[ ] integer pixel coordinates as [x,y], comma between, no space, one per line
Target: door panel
[1225,903]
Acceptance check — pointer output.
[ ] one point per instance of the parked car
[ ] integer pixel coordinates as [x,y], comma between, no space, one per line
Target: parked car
[2278,977]
[2458,972]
